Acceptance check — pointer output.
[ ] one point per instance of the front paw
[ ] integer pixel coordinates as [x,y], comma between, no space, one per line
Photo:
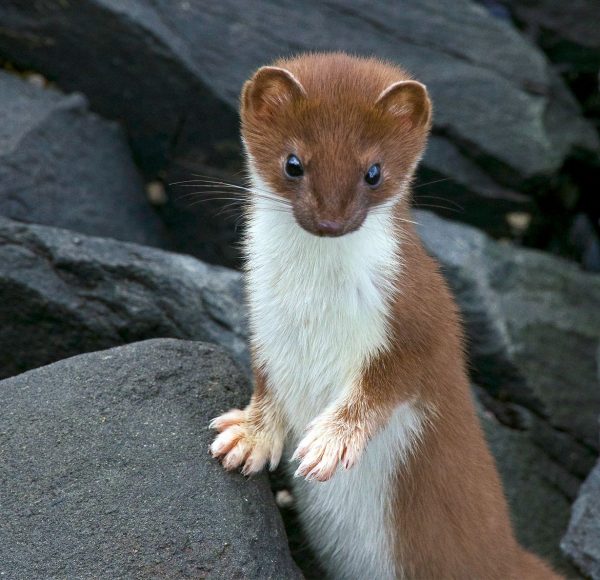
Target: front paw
[240,443]
[329,441]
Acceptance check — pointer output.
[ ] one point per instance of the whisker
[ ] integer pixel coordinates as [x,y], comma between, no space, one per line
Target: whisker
[431,182]
[228,195]
[252,188]
[211,193]
[433,206]
[207,200]
[440,198]
[218,199]
[386,212]
[248,192]
[402,220]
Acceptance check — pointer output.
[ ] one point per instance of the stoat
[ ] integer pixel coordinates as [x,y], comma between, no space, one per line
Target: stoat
[358,351]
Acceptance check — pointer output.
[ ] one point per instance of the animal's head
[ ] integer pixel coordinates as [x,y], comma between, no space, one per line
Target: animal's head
[336,136]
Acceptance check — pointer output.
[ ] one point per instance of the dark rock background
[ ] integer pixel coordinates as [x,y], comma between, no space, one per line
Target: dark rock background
[92,185]
[107,107]
[515,144]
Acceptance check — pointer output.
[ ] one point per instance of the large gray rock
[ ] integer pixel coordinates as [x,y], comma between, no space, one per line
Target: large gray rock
[533,322]
[540,511]
[61,165]
[499,106]
[105,471]
[582,541]
[63,293]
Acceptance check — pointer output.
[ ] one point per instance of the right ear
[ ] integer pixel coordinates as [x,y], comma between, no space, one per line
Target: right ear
[269,89]
[407,100]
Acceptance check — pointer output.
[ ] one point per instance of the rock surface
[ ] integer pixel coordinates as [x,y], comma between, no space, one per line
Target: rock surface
[105,471]
[568,33]
[63,293]
[540,511]
[63,166]
[505,122]
[582,541]
[533,323]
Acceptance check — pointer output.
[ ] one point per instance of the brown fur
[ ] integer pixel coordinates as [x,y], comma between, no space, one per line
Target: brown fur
[448,503]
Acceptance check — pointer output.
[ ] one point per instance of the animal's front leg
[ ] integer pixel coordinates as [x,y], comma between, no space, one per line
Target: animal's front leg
[251,437]
[339,436]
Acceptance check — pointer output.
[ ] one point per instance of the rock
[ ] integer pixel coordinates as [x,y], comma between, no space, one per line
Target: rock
[138,68]
[540,511]
[582,540]
[63,166]
[458,188]
[567,33]
[105,471]
[63,293]
[584,238]
[206,222]
[533,323]
[514,128]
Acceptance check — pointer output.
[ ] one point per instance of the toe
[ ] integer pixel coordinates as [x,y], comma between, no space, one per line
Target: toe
[235,457]
[275,456]
[226,440]
[256,461]
[233,417]
[310,459]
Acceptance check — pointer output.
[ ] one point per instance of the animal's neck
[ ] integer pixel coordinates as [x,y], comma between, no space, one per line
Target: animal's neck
[367,260]
[274,238]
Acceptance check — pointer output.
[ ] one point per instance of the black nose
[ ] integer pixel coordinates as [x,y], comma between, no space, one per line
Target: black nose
[330,228]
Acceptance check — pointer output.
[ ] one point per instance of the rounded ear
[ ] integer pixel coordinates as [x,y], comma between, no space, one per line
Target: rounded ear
[270,88]
[407,100]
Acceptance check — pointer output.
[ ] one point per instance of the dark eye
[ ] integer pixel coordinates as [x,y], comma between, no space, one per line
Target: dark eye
[293,167]
[373,175]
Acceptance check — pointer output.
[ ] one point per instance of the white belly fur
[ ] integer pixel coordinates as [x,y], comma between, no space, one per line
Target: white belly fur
[318,313]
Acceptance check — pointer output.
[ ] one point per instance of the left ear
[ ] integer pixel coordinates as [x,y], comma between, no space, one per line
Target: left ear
[407,100]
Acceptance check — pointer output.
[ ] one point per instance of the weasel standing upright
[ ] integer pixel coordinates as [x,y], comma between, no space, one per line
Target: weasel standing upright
[357,345]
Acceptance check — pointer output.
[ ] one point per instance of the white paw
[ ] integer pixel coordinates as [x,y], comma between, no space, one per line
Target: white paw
[327,443]
[240,444]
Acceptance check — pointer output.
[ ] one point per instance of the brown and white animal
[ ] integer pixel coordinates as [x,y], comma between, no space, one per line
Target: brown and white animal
[357,344]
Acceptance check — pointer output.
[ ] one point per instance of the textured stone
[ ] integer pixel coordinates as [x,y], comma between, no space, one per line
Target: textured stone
[105,471]
[61,165]
[63,293]
[567,32]
[499,107]
[533,322]
[582,540]
[532,319]
[540,511]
